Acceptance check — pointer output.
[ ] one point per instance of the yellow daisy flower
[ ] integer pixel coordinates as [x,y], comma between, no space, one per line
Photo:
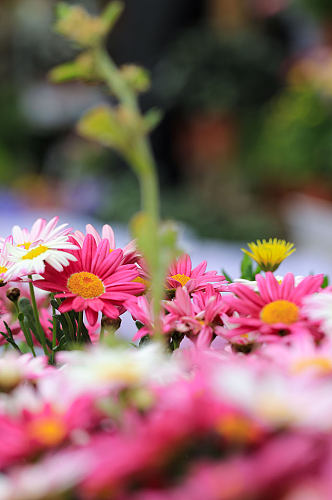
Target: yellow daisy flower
[269,254]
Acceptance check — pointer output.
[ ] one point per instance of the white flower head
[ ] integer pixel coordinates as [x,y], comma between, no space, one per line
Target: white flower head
[28,251]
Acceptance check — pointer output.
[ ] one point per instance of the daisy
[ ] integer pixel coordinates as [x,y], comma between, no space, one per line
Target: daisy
[198,317]
[181,274]
[95,282]
[29,251]
[269,254]
[301,358]
[142,311]
[253,284]
[130,254]
[275,309]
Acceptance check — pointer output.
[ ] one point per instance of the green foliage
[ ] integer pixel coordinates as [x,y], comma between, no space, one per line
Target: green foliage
[247,270]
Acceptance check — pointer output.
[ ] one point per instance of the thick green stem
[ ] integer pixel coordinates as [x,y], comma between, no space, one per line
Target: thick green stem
[36,317]
[142,160]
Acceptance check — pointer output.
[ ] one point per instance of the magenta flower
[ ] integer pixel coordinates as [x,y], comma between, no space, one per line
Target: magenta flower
[130,254]
[181,274]
[198,317]
[142,311]
[275,309]
[96,282]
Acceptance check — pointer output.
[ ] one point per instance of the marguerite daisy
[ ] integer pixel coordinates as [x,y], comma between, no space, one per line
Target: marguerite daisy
[28,251]
[95,282]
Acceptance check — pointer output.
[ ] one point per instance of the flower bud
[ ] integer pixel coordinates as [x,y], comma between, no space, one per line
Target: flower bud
[13,294]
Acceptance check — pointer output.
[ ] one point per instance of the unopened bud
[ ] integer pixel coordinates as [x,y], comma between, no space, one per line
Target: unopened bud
[113,324]
[13,294]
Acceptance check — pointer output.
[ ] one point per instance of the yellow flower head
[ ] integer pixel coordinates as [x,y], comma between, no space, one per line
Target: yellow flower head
[269,254]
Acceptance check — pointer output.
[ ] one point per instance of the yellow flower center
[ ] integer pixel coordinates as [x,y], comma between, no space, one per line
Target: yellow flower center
[3,269]
[86,285]
[35,252]
[144,282]
[321,364]
[49,431]
[181,278]
[280,311]
[237,428]
[26,245]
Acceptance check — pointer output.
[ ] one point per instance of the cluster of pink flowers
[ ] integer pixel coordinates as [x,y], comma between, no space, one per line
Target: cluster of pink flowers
[227,394]
[140,424]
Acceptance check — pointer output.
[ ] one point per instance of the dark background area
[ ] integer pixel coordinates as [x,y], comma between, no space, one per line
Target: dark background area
[245,88]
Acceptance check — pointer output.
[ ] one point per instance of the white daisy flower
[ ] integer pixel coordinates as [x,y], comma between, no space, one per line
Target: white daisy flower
[28,251]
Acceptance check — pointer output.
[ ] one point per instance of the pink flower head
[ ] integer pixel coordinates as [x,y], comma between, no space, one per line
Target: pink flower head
[181,274]
[198,317]
[130,254]
[275,309]
[96,282]
[142,311]
[40,232]
[32,432]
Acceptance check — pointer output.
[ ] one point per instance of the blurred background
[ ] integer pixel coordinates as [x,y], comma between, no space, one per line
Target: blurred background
[244,150]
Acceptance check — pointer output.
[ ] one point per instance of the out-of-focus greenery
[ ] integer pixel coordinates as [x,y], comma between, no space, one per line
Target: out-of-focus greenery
[207,70]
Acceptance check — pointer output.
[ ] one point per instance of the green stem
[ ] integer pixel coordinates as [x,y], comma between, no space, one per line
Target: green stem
[80,325]
[52,355]
[36,316]
[25,330]
[142,160]
[70,327]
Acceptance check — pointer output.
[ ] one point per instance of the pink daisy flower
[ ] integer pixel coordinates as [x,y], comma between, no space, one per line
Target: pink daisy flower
[142,311]
[181,274]
[275,309]
[302,357]
[198,317]
[95,282]
[130,254]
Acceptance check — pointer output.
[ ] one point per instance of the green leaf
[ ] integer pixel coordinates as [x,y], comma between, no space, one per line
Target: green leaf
[82,68]
[246,268]
[227,276]
[325,282]
[152,119]
[112,13]
[117,128]
[137,78]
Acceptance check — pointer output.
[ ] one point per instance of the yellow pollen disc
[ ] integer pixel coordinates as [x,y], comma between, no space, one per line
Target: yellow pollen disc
[35,252]
[321,364]
[3,269]
[49,431]
[280,311]
[26,245]
[144,282]
[86,285]
[181,278]
[237,428]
